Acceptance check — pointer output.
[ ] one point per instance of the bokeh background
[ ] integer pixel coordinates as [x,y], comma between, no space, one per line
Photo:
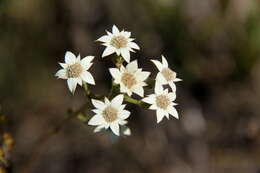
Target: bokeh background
[213,45]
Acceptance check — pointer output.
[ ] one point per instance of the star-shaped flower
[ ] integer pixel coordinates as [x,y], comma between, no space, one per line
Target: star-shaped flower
[162,102]
[130,78]
[109,114]
[75,70]
[118,42]
[165,75]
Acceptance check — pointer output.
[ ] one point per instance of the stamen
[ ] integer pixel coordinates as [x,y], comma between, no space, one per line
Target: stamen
[128,80]
[119,42]
[162,101]
[74,71]
[110,114]
[168,74]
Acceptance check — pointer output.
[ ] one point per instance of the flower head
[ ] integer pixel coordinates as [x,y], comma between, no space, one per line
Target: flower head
[131,78]
[165,75]
[75,70]
[162,102]
[109,114]
[118,42]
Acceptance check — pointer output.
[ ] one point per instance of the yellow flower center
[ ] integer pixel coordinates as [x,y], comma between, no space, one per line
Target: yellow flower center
[128,80]
[74,71]
[119,41]
[168,74]
[162,101]
[110,114]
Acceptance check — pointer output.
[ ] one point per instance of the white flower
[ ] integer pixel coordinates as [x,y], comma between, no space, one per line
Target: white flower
[162,102]
[119,43]
[76,70]
[109,114]
[165,75]
[131,78]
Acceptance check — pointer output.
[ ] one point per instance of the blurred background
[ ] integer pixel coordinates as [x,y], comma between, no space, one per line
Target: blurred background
[213,45]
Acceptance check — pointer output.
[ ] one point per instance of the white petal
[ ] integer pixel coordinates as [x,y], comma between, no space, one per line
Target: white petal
[172,111]
[79,81]
[150,99]
[117,101]
[107,102]
[86,62]
[126,34]
[96,120]
[177,80]
[164,62]
[115,73]
[72,84]
[61,74]
[173,86]
[133,45]
[138,90]
[108,51]
[124,114]
[160,79]
[87,77]
[158,64]
[115,128]
[98,128]
[153,107]
[159,115]
[127,132]
[125,54]
[172,96]
[63,65]
[104,38]
[115,30]
[132,66]
[141,76]
[97,111]
[70,58]
[78,58]
[158,88]
[98,104]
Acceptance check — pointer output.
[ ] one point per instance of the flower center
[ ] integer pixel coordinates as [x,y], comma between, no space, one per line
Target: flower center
[119,42]
[74,71]
[110,114]
[162,101]
[168,74]
[128,80]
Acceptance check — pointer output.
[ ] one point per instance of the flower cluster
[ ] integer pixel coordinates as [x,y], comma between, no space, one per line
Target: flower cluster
[129,78]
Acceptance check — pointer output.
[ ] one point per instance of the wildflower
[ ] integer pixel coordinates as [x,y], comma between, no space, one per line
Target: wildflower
[131,78]
[75,70]
[118,42]
[162,102]
[165,75]
[109,114]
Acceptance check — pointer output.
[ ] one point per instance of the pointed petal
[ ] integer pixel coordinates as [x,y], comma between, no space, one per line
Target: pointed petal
[138,90]
[72,84]
[117,101]
[86,62]
[115,73]
[132,66]
[153,107]
[172,111]
[87,77]
[70,58]
[98,104]
[173,86]
[115,30]
[63,65]
[96,120]
[127,132]
[99,128]
[133,45]
[160,79]
[158,89]
[159,115]
[108,51]
[150,99]
[177,80]
[105,38]
[124,114]
[126,34]
[142,75]
[61,74]
[164,62]
[115,128]
[172,96]
[158,64]
[126,54]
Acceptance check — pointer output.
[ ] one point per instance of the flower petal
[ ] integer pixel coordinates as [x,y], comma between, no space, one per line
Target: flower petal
[172,111]
[159,115]
[72,84]
[98,104]
[158,89]
[105,38]
[61,74]
[158,64]
[117,101]
[164,62]
[160,79]
[87,77]
[125,54]
[86,62]
[133,45]
[150,99]
[70,58]
[138,90]
[142,75]
[115,73]
[173,86]
[108,51]
[132,66]
[96,120]
[115,30]
[99,128]
[124,114]
[115,128]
